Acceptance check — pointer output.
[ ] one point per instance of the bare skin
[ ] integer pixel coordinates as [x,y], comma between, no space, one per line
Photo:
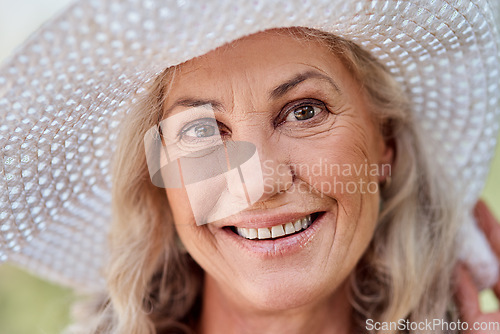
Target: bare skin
[280,290]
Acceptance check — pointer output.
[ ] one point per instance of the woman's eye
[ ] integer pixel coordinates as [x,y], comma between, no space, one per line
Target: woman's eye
[303,113]
[200,131]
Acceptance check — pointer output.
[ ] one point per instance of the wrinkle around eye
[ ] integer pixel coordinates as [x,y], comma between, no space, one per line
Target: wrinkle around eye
[307,129]
[339,117]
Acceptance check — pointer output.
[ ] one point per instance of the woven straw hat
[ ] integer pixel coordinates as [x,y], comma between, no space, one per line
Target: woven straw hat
[64,92]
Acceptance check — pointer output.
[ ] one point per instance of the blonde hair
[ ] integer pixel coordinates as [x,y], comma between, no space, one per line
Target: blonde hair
[405,273]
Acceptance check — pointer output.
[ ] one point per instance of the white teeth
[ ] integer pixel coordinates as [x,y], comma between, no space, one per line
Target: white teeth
[264,233]
[298,225]
[275,231]
[289,229]
[242,231]
[304,223]
[252,233]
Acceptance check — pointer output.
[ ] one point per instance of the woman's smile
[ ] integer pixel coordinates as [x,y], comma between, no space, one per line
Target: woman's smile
[279,240]
[276,232]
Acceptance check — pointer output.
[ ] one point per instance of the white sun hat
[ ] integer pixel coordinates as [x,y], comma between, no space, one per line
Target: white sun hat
[65,90]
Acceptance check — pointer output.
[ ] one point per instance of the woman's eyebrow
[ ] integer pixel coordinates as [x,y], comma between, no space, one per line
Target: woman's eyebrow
[277,92]
[193,103]
[283,88]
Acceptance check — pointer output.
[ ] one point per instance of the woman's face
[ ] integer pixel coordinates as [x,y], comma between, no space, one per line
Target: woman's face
[321,155]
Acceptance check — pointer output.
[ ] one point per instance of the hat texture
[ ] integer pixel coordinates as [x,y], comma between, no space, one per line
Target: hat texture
[64,92]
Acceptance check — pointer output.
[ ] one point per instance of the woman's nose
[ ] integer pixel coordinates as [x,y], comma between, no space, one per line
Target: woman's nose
[263,169]
[276,170]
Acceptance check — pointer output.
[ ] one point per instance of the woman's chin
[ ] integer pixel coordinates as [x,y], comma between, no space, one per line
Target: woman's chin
[287,288]
[281,296]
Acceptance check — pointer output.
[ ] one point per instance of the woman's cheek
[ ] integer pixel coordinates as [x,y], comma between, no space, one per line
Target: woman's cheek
[341,169]
[338,170]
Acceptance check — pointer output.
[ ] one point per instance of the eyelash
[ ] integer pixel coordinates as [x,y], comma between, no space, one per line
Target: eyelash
[290,107]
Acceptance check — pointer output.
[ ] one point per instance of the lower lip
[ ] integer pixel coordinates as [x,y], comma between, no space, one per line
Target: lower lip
[278,247]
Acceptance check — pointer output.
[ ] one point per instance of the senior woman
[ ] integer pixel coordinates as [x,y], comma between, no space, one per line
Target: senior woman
[275,171]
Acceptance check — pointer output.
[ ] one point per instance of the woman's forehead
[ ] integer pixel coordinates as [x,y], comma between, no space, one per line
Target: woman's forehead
[269,50]
[258,64]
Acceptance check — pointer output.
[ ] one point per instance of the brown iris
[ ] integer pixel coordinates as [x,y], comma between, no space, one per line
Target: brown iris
[304,112]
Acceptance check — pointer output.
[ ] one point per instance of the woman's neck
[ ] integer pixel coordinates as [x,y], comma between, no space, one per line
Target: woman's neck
[222,315]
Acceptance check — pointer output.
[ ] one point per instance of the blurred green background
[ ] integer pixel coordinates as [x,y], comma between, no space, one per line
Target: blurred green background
[29,305]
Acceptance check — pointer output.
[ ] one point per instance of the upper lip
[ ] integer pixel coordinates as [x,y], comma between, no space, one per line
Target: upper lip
[262,218]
